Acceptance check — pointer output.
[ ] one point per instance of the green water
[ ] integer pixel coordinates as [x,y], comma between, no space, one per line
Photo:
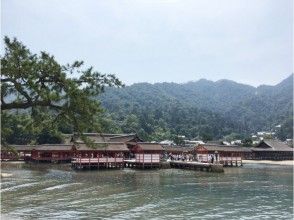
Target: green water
[57,192]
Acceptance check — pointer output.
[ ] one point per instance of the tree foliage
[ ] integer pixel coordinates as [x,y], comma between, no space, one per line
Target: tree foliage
[48,95]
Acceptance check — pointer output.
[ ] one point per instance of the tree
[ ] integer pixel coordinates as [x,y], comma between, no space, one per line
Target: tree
[232,136]
[286,130]
[179,140]
[39,85]
[247,142]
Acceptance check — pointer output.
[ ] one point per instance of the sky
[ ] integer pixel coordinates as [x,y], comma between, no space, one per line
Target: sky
[248,41]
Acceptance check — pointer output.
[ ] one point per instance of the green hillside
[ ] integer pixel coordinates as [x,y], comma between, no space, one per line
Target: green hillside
[203,109]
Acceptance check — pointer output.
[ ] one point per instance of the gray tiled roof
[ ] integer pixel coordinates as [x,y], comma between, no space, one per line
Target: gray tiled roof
[149,146]
[18,147]
[232,148]
[103,137]
[53,147]
[102,146]
[272,145]
[177,149]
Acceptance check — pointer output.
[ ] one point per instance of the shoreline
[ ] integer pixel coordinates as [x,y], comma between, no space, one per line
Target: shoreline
[13,162]
[272,162]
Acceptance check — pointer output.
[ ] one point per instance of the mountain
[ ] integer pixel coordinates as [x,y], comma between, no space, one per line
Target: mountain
[201,108]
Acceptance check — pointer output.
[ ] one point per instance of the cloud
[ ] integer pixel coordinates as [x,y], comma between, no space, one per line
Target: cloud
[166,40]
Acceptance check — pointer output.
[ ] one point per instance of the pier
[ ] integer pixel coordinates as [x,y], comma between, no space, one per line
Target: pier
[133,163]
[193,165]
[98,163]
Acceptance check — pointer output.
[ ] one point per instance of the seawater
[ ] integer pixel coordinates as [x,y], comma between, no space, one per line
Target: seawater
[58,192]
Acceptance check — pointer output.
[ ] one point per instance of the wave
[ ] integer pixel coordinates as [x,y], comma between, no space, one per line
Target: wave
[60,186]
[19,186]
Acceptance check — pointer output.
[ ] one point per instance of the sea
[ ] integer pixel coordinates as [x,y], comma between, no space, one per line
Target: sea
[56,191]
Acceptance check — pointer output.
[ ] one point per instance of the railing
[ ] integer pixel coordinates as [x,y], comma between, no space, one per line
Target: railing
[147,158]
[11,158]
[230,159]
[98,160]
[51,158]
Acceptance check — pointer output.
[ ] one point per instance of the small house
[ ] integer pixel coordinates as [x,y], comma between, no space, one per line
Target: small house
[147,154]
[224,154]
[16,152]
[52,153]
[99,155]
[177,152]
[103,137]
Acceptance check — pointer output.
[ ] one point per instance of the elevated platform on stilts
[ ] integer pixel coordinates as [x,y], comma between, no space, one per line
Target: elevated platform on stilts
[133,163]
[98,163]
[193,165]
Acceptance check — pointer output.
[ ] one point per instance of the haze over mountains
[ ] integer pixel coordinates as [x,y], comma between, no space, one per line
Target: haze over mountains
[203,109]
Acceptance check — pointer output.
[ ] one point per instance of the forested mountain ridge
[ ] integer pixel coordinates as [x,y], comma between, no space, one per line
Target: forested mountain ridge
[201,108]
[40,101]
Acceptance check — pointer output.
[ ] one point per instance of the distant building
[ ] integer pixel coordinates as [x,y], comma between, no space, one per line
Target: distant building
[66,151]
[193,142]
[167,142]
[272,150]
[16,152]
[227,154]
[100,155]
[260,133]
[177,150]
[236,142]
[289,142]
[147,154]
[214,143]
[52,153]
[265,134]
[102,137]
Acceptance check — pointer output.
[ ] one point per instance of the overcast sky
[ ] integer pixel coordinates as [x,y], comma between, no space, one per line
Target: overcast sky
[248,41]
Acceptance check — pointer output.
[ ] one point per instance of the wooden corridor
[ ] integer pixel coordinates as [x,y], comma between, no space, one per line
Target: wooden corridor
[193,165]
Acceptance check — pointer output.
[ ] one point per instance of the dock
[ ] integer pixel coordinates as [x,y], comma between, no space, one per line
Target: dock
[133,163]
[120,163]
[98,163]
[193,165]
